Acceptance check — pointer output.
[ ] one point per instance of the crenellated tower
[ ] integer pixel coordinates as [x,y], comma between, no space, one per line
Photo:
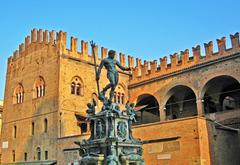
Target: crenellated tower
[47,88]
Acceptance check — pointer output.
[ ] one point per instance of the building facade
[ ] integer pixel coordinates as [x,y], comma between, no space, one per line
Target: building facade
[1,110]
[191,105]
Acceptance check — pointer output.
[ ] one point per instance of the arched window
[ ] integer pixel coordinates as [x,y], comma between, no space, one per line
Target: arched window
[45,125]
[77,86]
[122,98]
[78,89]
[15,131]
[38,153]
[18,94]
[33,128]
[119,95]
[39,88]
[46,155]
[119,98]
[25,156]
[13,155]
[73,88]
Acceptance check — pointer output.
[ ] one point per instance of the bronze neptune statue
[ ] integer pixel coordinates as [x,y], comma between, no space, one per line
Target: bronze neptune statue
[111,141]
[112,73]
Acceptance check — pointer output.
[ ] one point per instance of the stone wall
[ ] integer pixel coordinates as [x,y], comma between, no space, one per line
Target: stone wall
[34,59]
[224,135]
[183,141]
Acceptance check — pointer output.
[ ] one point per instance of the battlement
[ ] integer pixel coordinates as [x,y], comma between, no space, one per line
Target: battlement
[178,62]
[40,39]
[140,71]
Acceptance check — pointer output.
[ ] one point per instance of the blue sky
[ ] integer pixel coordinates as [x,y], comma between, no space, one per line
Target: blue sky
[148,29]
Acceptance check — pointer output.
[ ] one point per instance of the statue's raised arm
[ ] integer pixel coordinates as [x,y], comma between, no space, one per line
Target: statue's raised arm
[122,67]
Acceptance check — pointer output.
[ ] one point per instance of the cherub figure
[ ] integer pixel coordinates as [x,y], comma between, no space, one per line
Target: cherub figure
[91,109]
[130,111]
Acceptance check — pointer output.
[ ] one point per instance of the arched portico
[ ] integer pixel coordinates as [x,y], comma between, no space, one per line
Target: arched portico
[150,109]
[180,101]
[221,93]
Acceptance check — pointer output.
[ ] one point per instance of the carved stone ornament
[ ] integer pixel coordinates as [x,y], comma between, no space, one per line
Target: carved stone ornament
[122,129]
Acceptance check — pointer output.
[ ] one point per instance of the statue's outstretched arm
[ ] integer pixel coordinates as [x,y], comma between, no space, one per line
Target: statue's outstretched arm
[99,70]
[122,67]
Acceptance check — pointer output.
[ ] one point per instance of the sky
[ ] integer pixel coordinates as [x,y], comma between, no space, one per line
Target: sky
[148,29]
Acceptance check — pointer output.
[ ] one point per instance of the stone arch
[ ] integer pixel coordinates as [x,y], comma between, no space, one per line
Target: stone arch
[168,89]
[179,102]
[149,106]
[18,94]
[221,93]
[77,86]
[39,87]
[122,85]
[134,97]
